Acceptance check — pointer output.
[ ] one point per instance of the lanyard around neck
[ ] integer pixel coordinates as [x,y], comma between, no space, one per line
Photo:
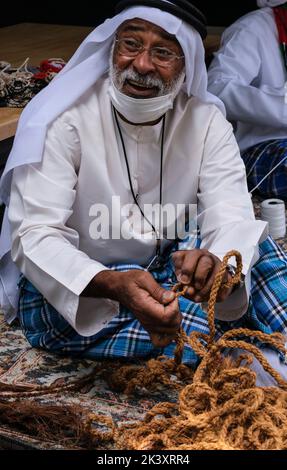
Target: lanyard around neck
[130,180]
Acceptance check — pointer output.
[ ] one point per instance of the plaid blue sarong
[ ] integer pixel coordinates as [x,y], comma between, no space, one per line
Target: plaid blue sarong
[259,160]
[124,337]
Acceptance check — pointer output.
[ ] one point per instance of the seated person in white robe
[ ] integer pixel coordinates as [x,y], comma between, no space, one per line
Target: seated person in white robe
[249,75]
[126,127]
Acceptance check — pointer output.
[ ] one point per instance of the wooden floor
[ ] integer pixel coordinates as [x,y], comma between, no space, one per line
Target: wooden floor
[8,122]
[39,41]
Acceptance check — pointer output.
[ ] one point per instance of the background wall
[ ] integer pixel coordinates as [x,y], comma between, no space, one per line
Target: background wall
[92,13]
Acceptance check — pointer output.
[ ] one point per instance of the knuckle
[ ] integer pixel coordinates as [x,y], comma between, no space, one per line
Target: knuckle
[140,276]
[186,269]
[205,291]
[176,255]
[199,252]
[157,292]
[177,258]
[133,274]
[205,252]
[208,260]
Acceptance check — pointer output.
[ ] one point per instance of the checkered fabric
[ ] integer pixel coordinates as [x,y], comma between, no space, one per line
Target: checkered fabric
[124,337]
[262,158]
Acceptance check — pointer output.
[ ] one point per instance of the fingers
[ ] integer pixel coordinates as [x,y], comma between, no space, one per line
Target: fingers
[198,268]
[157,292]
[204,268]
[155,307]
[224,292]
[172,316]
[168,321]
[177,259]
[161,306]
[193,267]
[203,294]
[162,335]
[186,265]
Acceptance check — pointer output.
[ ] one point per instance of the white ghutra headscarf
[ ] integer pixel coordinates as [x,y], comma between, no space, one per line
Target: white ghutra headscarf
[89,63]
[269,3]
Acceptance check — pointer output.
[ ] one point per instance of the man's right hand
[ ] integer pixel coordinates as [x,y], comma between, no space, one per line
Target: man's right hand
[155,308]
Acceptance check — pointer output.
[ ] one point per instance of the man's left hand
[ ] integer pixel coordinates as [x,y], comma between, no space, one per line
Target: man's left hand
[197,268]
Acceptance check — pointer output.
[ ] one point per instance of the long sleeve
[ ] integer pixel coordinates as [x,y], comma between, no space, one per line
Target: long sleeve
[225,213]
[44,247]
[235,76]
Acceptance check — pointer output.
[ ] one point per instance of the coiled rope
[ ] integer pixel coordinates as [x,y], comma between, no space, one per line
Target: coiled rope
[219,406]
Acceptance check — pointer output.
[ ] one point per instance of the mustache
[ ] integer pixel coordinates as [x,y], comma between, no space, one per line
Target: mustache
[148,81]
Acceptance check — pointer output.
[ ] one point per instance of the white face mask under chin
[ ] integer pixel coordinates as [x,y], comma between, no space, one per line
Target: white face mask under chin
[142,110]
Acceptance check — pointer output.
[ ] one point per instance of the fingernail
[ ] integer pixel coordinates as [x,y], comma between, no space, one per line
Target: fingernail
[183,278]
[168,296]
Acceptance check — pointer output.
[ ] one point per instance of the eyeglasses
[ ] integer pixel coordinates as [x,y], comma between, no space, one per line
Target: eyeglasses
[161,56]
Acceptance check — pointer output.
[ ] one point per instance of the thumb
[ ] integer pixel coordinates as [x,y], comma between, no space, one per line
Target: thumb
[163,296]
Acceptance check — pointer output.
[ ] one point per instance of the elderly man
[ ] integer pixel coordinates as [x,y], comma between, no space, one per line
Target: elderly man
[145,134]
[248,73]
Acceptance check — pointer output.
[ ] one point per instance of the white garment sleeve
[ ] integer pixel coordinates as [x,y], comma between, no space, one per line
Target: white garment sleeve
[44,248]
[225,212]
[233,75]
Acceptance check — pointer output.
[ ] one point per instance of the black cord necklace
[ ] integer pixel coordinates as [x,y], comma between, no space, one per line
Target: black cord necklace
[153,264]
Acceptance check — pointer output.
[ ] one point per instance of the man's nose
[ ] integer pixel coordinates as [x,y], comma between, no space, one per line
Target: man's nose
[143,62]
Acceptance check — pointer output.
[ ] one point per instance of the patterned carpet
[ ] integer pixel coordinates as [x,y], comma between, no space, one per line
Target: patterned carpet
[24,369]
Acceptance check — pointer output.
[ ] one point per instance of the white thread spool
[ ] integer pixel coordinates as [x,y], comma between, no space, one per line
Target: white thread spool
[273,212]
